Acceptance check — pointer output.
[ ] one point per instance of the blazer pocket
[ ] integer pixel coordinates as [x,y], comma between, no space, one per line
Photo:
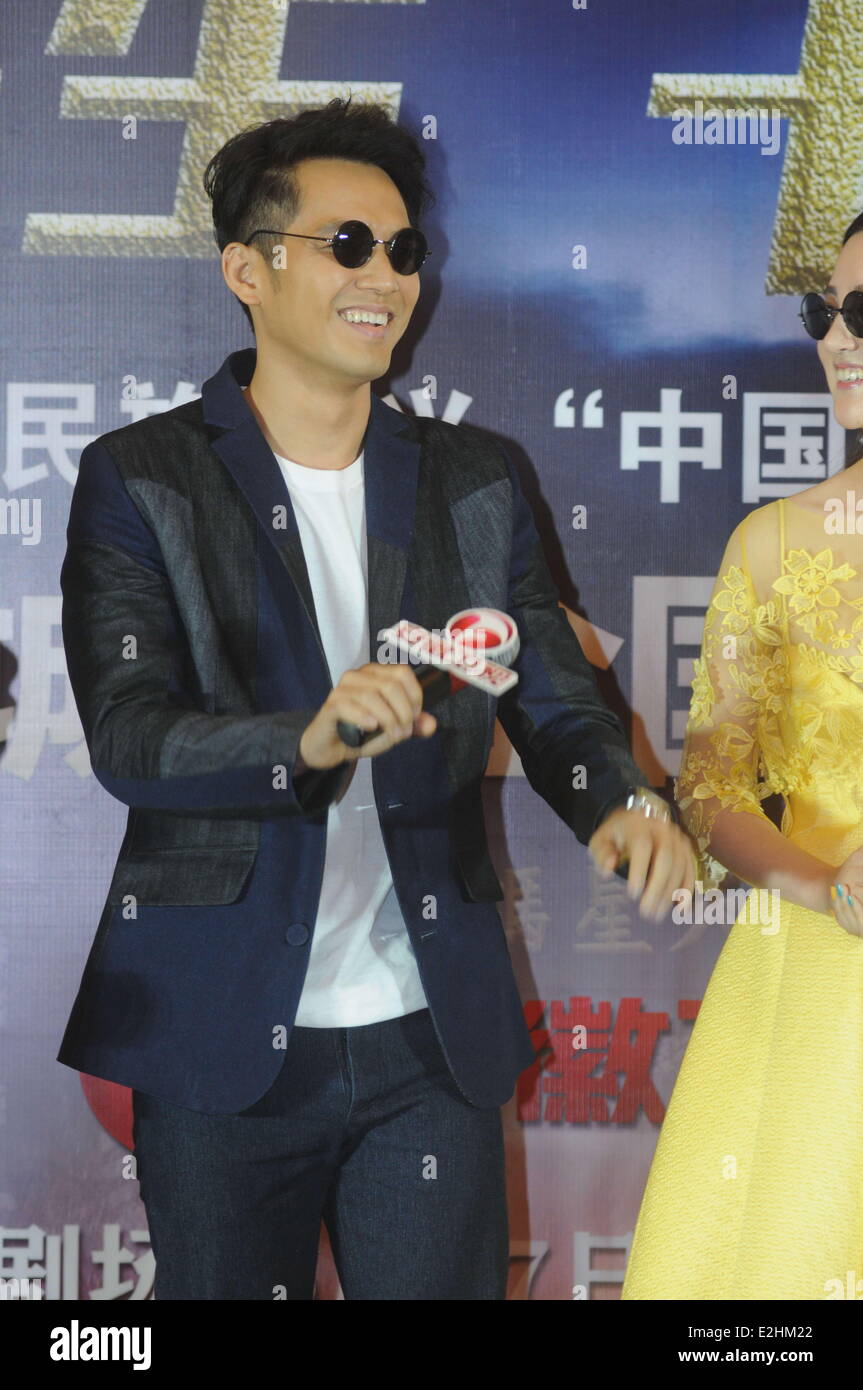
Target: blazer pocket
[182,877]
[480,883]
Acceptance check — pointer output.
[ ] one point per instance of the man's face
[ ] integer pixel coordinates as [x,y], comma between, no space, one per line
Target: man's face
[302,304]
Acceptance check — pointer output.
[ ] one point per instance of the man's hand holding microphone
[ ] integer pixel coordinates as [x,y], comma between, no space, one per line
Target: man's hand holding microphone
[378,705]
[388,698]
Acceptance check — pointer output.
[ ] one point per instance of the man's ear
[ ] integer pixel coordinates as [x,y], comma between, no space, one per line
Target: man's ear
[242,270]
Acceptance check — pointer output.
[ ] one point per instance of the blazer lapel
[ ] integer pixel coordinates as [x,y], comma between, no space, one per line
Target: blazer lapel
[390,465]
[391,469]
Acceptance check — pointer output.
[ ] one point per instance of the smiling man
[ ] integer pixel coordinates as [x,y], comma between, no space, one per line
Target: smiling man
[325,330]
[300,969]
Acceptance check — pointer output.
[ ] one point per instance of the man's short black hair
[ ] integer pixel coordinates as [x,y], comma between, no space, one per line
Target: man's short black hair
[251,180]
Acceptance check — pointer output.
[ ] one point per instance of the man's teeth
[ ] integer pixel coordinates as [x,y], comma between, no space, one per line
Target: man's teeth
[850,374]
[362,316]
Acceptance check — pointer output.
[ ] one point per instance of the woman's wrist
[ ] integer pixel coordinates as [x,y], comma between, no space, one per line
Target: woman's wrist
[805,884]
[814,890]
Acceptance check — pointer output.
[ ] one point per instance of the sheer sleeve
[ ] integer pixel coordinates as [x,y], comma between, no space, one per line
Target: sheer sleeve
[738,691]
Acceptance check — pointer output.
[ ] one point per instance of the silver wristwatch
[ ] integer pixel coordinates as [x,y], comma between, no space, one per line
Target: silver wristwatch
[650,803]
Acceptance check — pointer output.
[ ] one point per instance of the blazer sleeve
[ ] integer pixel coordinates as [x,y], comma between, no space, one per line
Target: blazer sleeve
[555,716]
[124,643]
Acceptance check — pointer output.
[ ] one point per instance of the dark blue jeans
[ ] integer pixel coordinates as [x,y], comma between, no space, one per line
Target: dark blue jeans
[363,1127]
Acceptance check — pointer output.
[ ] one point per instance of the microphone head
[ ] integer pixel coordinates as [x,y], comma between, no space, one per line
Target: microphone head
[484,632]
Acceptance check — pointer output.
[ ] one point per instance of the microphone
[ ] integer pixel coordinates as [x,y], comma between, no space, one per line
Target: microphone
[449,661]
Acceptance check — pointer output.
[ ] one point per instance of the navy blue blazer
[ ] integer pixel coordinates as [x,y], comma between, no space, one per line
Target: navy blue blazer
[196,663]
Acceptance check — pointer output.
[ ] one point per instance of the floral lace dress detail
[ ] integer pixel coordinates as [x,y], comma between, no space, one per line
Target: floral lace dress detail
[777,692]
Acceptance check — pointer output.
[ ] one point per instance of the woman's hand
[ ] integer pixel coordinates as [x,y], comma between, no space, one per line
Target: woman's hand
[847,893]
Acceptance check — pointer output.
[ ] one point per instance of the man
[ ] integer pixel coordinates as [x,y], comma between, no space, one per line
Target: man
[300,968]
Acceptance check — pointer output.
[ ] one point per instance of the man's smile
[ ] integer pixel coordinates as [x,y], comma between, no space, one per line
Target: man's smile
[368,321]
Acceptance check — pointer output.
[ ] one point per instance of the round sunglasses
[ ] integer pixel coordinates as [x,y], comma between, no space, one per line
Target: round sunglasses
[818,315]
[353,244]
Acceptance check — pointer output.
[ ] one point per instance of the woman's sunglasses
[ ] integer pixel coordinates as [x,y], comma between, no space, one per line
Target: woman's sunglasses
[818,315]
[354,243]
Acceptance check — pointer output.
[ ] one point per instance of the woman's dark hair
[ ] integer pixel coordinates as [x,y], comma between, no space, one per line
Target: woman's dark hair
[856,226]
[251,180]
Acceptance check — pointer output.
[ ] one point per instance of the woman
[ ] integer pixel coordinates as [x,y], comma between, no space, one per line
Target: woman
[756,1186]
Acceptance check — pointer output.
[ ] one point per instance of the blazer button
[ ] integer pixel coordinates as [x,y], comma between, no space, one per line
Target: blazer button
[297,934]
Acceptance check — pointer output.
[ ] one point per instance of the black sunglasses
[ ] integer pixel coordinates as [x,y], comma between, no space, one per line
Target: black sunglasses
[354,243]
[818,315]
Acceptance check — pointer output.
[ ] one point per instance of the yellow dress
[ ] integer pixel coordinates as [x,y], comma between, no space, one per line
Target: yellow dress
[756,1185]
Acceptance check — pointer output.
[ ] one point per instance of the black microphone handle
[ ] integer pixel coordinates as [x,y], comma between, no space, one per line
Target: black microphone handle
[436,685]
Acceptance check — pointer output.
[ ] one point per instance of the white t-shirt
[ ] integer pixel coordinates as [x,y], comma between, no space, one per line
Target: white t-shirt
[362,967]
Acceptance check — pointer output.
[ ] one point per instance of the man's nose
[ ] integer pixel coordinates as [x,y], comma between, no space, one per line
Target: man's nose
[377,268]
